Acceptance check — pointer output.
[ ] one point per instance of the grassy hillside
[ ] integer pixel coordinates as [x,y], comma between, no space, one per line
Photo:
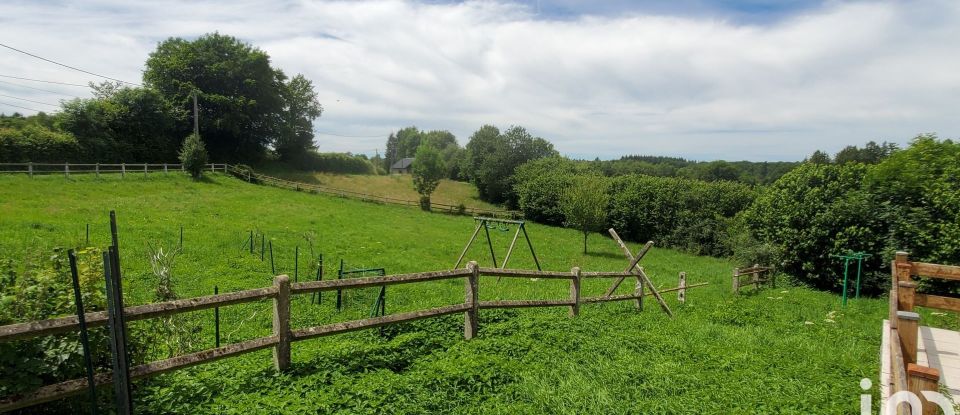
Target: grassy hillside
[399,186]
[788,350]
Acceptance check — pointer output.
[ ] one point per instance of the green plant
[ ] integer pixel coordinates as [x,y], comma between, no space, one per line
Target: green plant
[193,155]
[428,169]
[585,205]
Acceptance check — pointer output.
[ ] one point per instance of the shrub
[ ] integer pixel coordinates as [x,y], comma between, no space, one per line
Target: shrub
[585,205]
[343,163]
[428,169]
[34,143]
[539,186]
[193,155]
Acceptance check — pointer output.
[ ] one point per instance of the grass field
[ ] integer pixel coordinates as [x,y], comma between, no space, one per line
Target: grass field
[398,186]
[789,350]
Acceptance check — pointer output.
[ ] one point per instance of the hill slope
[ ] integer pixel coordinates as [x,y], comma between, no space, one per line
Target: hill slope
[720,354]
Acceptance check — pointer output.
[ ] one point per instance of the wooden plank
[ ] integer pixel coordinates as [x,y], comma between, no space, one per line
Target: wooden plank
[947,272]
[76,386]
[936,301]
[898,366]
[98,319]
[522,273]
[311,332]
[653,291]
[626,252]
[605,274]
[525,303]
[281,323]
[331,285]
[624,297]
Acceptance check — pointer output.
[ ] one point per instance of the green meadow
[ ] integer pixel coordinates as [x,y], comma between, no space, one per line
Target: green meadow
[788,350]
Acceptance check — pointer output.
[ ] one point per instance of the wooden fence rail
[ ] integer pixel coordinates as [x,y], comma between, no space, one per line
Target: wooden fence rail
[97,168]
[281,293]
[906,374]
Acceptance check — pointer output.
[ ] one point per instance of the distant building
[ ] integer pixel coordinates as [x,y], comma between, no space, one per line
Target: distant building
[402,166]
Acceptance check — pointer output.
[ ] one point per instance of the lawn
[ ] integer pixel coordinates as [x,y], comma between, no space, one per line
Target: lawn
[397,186]
[785,350]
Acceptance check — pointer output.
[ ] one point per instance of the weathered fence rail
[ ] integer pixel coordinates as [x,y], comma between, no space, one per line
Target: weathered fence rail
[281,293]
[97,168]
[252,176]
[905,372]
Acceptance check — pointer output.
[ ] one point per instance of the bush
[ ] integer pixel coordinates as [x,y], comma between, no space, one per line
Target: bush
[539,186]
[343,163]
[193,155]
[34,143]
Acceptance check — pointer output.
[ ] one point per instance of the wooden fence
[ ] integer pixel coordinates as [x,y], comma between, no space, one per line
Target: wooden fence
[96,168]
[906,374]
[283,335]
[252,177]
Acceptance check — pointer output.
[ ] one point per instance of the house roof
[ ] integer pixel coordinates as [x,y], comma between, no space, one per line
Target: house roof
[402,163]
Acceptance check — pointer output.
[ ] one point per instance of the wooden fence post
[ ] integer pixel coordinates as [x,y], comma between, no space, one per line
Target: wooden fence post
[281,323]
[908,327]
[123,169]
[165,171]
[575,292]
[638,291]
[736,281]
[682,293]
[905,295]
[30,168]
[471,297]
[97,169]
[66,170]
[144,169]
[920,378]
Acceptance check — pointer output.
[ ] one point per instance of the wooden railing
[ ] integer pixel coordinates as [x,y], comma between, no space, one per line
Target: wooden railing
[906,374]
[252,177]
[282,335]
[97,168]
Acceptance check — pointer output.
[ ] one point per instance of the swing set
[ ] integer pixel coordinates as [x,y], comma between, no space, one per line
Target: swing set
[502,225]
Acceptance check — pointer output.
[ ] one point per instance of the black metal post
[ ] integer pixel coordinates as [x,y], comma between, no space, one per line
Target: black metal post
[181,237]
[317,295]
[84,339]
[88,234]
[490,243]
[296,264]
[251,242]
[263,242]
[117,327]
[272,268]
[339,292]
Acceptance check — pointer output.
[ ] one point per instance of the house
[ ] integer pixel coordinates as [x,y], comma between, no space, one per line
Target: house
[402,166]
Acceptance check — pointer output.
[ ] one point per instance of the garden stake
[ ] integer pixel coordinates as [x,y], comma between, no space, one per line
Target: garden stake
[272,268]
[263,241]
[84,339]
[181,237]
[317,295]
[251,242]
[88,234]
[339,292]
[296,264]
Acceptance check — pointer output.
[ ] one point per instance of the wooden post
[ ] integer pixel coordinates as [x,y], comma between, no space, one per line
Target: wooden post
[638,291]
[165,171]
[144,169]
[921,378]
[575,292]
[736,281]
[905,295]
[756,276]
[97,168]
[281,323]
[908,327]
[471,297]
[682,293]
[66,170]
[123,169]
[30,168]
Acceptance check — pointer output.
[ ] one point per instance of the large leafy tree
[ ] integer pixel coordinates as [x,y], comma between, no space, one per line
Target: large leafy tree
[428,170]
[245,104]
[492,157]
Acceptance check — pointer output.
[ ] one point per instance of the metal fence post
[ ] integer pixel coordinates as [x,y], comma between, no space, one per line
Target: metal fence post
[117,328]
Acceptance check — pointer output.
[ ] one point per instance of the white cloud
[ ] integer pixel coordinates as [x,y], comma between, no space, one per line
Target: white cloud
[692,86]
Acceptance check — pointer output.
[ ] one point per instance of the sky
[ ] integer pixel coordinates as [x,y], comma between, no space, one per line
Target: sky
[704,80]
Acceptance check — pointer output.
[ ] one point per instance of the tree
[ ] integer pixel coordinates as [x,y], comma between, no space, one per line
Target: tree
[428,170]
[245,104]
[492,157]
[193,155]
[819,157]
[585,205]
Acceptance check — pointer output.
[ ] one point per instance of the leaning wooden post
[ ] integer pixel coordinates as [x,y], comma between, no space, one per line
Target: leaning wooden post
[123,169]
[682,292]
[575,292]
[908,327]
[919,379]
[281,323]
[638,292]
[471,296]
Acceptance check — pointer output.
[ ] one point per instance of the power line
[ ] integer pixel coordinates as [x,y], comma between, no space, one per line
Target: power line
[30,100]
[39,89]
[68,66]
[17,106]
[41,80]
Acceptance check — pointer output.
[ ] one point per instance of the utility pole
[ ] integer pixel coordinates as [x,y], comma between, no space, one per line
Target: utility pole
[196,121]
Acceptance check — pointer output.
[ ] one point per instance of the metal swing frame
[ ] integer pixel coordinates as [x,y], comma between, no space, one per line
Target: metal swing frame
[484,222]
